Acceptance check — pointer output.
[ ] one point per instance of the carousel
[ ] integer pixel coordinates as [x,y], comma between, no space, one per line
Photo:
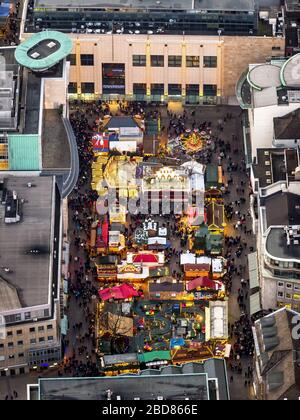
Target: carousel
[195,140]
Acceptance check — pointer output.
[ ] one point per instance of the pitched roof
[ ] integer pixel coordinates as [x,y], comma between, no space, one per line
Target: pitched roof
[288,126]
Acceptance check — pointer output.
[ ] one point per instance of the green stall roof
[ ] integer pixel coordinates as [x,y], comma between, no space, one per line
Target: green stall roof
[154,355]
[24,152]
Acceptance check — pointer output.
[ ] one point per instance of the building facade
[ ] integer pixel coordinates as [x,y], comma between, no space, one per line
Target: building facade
[142,62]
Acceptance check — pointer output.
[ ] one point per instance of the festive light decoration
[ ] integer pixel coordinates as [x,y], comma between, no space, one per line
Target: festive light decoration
[195,141]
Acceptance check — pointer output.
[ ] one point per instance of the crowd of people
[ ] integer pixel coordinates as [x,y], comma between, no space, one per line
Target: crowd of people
[80,344]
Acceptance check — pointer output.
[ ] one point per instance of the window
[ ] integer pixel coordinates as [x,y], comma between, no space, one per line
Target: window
[289,286]
[157,89]
[192,61]
[175,61]
[280,294]
[46,312]
[192,90]
[41,328]
[9,334]
[33,341]
[20,343]
[280,284]
[50,338]
[10,345]
[27,315]
[32,330]
[210,61]
[49,327]
[72,88]
[87,59]
[72,59]
[139,88]
[210,90]
[41,339]
[19,332]
[21,355]
[157,60]
[22,370]
[11,356]
[174,90]
[1,346]
[296,296]
[139,61]
[9,319]
[276,48]
[288,296]
[296,288]
[87,87]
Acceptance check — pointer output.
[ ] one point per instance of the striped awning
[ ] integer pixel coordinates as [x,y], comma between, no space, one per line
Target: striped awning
[255,303]
[253,270]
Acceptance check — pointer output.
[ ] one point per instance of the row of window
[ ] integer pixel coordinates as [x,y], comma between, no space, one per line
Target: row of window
[192,61]
[41,328]
[20,343]
[288,286]
[85,59]
[10,319]
[12,372]
[288,296]
[283,264]
[12,356]
[41,362]
[156,89]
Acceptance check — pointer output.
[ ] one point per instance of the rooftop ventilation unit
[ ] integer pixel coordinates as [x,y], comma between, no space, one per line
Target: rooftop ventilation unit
[293,235]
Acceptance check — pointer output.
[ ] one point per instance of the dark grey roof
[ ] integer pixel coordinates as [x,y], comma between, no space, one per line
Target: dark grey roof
[144,387]
[277,247]
[283,209]
[170,382]
[55,144]
[33,103]
[288,126]
[234,5]
[283,354]
[30,272]
[166,287]
[151,4]
[118,122]
[270,166]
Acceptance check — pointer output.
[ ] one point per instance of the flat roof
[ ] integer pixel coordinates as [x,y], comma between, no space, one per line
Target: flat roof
[270,167]
[283,209]
[112,4]
[234,5]
[277,247]
[264,76]
[289,73]
[43,50]
[171,387]
[33,104]
[239,5]
[55,145]
[29,272]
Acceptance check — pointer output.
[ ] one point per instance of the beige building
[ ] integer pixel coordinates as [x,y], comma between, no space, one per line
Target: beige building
[173,67]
